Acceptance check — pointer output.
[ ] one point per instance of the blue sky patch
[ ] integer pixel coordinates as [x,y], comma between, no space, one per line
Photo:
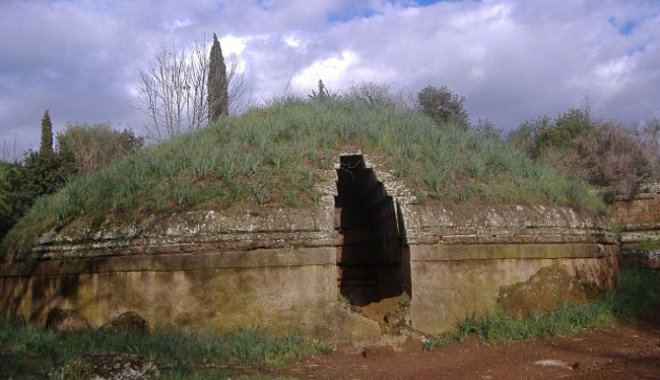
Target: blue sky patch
[626,28]
[350,13]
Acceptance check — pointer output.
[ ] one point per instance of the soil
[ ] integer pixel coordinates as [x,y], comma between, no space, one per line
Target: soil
[628,351]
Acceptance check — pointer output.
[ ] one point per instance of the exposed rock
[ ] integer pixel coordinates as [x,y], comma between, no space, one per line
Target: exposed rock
[111,365]
[129,323]
[66,321]
[552,363]
[354,329]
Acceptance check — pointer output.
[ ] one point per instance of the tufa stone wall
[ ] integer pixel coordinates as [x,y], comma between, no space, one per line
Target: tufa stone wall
[638,223]
[282,269]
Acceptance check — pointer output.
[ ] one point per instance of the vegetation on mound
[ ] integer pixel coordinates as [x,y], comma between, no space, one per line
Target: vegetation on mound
[27,352]
[602,153]
[637,291]
[270,155]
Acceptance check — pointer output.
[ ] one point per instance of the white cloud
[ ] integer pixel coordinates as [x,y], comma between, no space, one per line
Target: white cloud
[331,70]
[233,44]
[292,41]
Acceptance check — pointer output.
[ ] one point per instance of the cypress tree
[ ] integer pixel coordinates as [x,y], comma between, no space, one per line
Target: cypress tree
[217,83]
[46,135]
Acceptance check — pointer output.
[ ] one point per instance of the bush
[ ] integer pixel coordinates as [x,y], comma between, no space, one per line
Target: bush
[94,146]
[39,174]
[375,94]
[602,154]
[443,106]
[613,158]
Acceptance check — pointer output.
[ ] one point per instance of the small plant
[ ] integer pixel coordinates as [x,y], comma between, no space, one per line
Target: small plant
[609,197]
[437,341]
[343,300]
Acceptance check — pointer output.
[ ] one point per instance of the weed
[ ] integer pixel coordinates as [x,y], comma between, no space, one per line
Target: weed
[343,300]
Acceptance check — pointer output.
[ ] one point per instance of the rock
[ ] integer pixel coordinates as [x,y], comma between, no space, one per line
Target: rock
[129,323]
[552,363]
[111,365]
[354,329]
[66,321]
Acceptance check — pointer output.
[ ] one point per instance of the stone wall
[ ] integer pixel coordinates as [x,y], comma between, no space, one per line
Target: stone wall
[524,259]
[638,223]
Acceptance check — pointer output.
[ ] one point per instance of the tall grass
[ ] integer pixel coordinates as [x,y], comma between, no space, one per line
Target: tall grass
[31,352]
[638,290]
[271,156]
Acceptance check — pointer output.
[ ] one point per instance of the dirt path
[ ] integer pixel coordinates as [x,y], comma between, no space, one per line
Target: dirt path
[624,352]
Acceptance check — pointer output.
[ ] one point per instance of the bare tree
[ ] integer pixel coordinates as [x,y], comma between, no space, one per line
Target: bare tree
[172,93]
[377,93]
[10,151]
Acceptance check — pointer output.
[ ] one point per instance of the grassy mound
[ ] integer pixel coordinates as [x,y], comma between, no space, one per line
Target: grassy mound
[271,156]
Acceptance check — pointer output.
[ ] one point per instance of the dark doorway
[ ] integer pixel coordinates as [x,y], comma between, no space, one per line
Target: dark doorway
[370,236]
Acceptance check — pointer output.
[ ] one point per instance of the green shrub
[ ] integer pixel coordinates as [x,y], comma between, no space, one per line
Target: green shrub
[91,147]
[23,183]
[603,154]
[609,197]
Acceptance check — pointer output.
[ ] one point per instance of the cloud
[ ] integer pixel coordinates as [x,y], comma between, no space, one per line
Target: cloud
[332,70]
[512,59]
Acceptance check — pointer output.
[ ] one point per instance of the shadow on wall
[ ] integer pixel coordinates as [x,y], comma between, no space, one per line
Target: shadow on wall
[30,293]
[372,256]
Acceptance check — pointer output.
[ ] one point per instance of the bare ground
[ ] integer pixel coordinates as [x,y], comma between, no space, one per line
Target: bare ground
[628,351]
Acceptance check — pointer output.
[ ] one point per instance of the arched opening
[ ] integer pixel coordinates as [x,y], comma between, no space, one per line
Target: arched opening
[370,237]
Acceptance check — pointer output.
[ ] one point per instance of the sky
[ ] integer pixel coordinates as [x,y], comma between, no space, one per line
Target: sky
[512,60]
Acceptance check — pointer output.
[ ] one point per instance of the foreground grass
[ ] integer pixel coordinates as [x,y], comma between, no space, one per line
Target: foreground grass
[28,352]
[637,291]
[272,155]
